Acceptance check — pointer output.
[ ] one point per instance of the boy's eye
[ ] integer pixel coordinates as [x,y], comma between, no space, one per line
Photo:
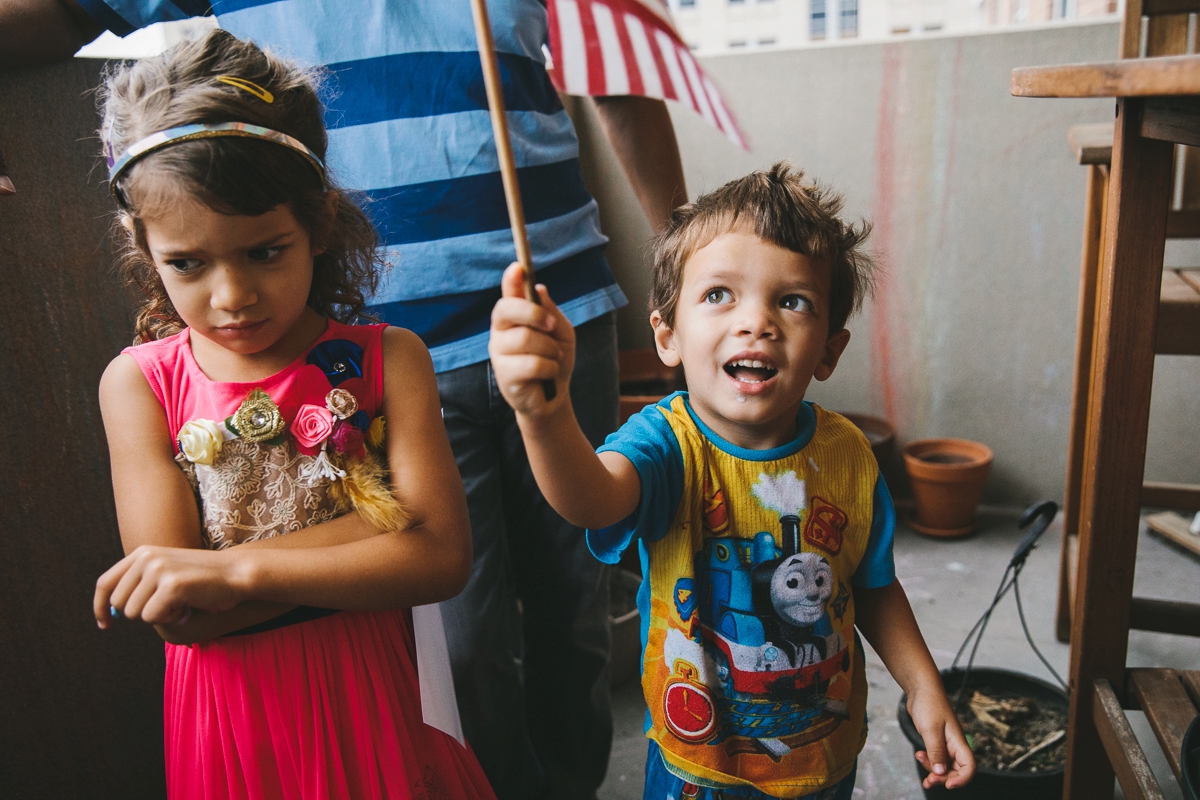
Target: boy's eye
[794,302]
[184,266]
[264,253]
[717,296]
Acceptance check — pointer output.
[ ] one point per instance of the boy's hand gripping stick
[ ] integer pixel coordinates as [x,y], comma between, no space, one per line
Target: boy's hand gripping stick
[508,166]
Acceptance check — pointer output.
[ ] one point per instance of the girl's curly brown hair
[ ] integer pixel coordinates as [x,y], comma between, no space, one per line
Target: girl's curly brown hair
[232,175]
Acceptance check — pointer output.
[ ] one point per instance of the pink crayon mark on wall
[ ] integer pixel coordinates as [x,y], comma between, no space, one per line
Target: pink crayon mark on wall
[948,176]
[882,362]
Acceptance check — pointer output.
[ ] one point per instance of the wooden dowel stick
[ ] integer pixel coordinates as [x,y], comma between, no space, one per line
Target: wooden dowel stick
[508,165]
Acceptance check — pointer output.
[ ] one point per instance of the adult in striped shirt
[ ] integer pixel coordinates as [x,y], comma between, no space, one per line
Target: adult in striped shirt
[409,125]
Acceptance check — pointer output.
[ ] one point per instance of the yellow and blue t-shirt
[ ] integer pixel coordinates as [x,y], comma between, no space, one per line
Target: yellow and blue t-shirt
[752,673]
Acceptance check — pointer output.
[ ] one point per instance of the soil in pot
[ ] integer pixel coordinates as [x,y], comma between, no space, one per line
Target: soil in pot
[1012,731]
[1005,715]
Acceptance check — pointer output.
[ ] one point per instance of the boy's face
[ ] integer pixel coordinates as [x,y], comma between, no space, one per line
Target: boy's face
[751,330]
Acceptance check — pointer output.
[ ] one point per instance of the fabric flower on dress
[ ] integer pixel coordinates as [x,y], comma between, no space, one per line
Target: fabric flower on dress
[347,438]
[257,418]
[377,433]
[339,359]
[343,404]
[201,440]
[312,425]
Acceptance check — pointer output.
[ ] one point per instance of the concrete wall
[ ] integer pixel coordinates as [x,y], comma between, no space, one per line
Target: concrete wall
[977,204]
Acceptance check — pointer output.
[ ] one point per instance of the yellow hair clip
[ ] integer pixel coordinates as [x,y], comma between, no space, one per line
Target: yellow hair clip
[247,86]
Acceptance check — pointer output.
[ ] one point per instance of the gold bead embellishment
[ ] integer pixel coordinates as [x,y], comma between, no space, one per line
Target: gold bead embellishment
[258,418]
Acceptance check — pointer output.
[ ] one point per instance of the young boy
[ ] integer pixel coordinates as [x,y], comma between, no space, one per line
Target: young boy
[764,529]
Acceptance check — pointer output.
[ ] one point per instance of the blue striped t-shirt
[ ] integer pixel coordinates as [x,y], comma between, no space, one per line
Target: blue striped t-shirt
[408,125]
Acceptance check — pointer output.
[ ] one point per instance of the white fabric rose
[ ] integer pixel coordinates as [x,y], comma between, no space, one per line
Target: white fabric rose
[201,441]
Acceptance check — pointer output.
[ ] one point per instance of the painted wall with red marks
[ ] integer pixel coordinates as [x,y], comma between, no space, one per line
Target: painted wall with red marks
[977,204]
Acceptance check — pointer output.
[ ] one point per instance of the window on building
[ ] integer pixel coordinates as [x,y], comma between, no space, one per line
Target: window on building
[932,27]
[816,25]
[687,3]
[765,42]
[901,31]
[737,2]
[737,43]
[849,18]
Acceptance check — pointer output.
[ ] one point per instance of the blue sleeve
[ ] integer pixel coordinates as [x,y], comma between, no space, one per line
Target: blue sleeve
[123,17]
[878,567]
[649,443]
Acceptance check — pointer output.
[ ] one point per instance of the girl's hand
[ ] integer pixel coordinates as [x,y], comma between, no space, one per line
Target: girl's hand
[530,344]
[944,740]
[159,584]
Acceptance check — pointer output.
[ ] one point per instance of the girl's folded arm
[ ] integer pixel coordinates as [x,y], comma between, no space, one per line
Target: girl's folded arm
[427,562]
[157,512]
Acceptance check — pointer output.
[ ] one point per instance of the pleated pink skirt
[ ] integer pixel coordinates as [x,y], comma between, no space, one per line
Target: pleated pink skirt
[327,709]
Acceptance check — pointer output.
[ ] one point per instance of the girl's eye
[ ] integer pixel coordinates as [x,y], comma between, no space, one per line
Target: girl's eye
[718,296]
[794,302]
[184,266]
[264,253]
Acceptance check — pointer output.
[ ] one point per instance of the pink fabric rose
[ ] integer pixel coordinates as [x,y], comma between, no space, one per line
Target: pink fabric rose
[311,427]
[347,438]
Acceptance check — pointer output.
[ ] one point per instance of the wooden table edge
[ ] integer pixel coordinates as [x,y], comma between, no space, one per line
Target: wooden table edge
[1141,77]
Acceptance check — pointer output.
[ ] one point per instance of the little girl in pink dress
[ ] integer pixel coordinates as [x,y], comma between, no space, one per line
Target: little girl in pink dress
[284,485]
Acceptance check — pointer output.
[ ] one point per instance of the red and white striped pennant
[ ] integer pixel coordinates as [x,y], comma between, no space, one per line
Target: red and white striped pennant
[621,47]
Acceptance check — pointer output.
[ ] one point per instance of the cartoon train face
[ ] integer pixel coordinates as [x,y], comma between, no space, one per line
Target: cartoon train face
[764,609]
[763,626]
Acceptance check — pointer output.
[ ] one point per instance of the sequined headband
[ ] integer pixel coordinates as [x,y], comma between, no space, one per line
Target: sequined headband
[201,130]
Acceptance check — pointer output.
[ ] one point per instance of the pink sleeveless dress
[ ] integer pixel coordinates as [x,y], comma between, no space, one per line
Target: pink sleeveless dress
[317,703]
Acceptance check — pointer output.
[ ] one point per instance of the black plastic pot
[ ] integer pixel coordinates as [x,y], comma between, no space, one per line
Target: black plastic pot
[1189,762]
[993,784]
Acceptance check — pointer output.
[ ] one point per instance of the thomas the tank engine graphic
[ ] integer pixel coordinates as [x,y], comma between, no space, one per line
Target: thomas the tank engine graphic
[759,642]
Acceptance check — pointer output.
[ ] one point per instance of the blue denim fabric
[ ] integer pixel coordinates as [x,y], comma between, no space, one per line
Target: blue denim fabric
[661,784]
[529,637]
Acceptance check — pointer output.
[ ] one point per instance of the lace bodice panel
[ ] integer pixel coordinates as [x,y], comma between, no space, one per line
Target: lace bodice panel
[256,491]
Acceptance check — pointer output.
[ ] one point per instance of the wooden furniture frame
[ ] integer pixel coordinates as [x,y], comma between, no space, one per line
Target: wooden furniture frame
[1178,327]
[644,379]
[1158,105]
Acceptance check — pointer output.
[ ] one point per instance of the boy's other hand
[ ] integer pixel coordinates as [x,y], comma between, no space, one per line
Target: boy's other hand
[529,344]
[946,756]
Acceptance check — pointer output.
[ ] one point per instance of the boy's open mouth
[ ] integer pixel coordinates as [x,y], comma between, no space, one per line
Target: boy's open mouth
[749,370]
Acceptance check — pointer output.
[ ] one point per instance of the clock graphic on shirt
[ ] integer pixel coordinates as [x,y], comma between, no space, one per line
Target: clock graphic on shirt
[688,708]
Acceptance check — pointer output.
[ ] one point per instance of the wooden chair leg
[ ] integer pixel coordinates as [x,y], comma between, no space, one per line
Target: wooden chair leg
[1093,234]
[1118,419]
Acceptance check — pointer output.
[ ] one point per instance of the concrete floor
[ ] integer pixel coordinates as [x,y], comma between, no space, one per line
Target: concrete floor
[950,584]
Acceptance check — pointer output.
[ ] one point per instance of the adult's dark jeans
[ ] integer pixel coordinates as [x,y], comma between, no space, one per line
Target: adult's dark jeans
[529,637]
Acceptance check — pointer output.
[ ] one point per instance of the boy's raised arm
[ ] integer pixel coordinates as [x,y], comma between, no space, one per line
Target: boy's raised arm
[530,344]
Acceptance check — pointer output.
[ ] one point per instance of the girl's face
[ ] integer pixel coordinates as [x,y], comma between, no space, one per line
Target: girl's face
[240,282]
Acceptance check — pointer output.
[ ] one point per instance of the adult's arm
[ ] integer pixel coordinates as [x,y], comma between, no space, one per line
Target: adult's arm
[43,31]
[641,133]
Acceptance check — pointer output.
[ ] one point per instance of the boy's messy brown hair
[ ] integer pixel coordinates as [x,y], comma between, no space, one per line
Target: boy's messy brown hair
[781,208]
[231,175]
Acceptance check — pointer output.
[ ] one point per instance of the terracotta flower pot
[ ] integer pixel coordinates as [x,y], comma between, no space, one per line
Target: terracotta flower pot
[879,432]
[947,477]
